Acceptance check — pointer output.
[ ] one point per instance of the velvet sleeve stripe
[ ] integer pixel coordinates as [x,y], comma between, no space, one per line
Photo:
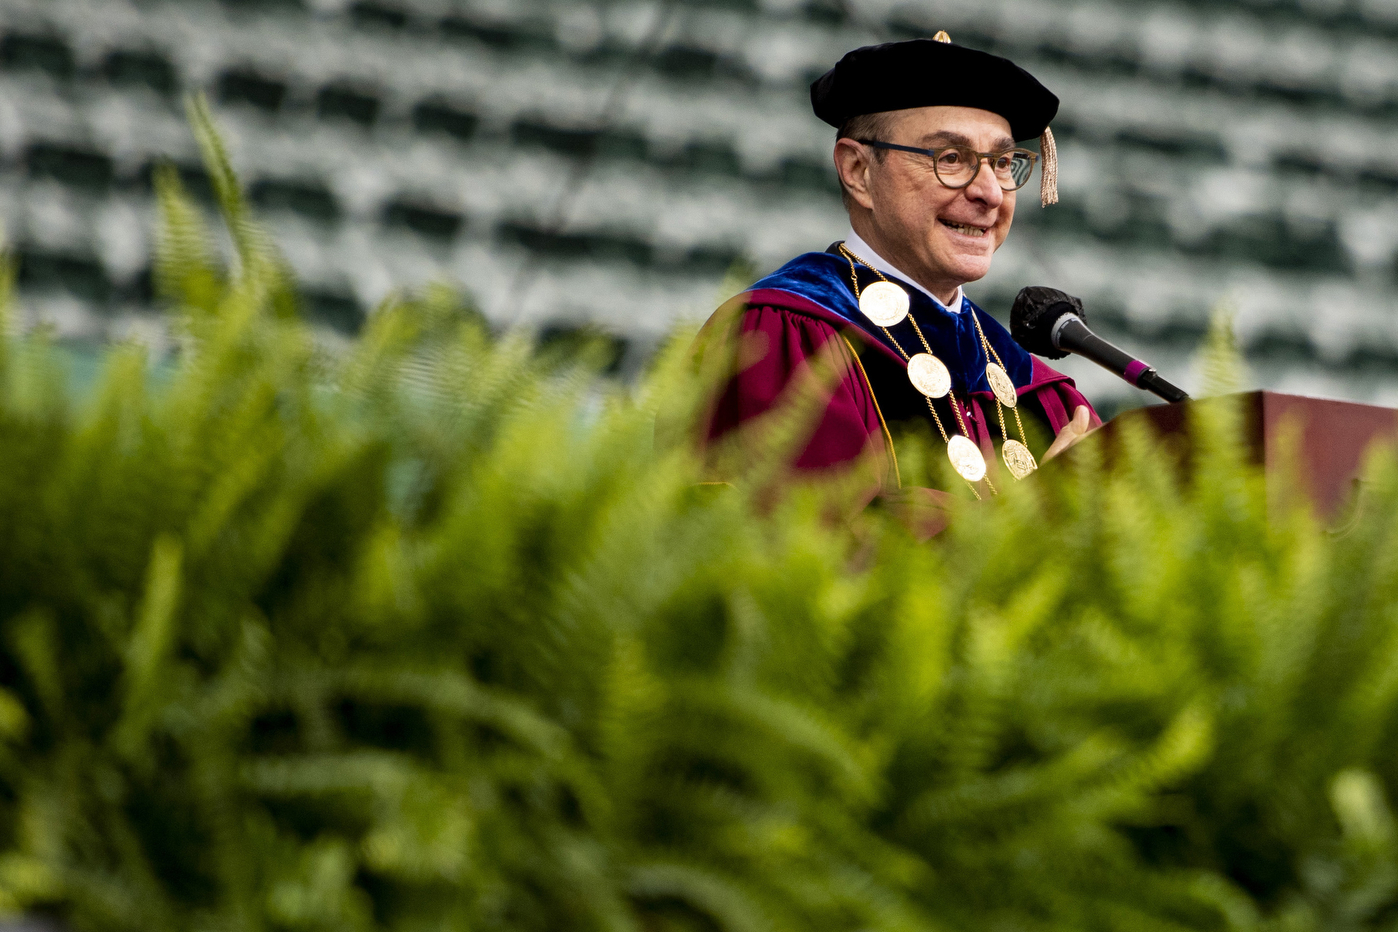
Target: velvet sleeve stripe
[1057,395]
[786,342]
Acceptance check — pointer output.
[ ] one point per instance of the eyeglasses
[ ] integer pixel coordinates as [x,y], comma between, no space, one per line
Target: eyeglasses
[958,166]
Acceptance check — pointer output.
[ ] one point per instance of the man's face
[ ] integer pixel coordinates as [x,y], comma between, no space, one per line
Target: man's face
[944,237]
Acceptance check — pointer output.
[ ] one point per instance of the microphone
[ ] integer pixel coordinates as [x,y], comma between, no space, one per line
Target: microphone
[1051,323]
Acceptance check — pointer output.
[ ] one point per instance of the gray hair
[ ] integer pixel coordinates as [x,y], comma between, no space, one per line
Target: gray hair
[864,126]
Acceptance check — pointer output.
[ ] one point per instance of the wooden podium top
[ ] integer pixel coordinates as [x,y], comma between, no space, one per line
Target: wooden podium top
[1333,436]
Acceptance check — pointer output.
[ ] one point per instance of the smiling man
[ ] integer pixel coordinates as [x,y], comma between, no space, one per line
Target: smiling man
[928,157]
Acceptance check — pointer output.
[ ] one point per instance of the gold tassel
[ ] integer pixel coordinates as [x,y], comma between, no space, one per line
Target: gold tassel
[942,36]
[1048,185]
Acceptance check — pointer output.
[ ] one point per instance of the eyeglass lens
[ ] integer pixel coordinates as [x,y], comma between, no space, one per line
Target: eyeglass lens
[957,166]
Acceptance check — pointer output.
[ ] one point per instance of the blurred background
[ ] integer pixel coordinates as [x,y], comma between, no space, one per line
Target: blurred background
[620,165]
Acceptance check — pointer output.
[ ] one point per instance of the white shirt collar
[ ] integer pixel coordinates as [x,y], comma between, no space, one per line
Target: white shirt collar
[866,252]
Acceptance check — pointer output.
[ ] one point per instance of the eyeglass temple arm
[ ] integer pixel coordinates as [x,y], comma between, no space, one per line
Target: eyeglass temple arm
[893,145]
[933,152]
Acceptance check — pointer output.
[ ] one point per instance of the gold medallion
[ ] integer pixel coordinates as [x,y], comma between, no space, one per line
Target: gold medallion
[1002,385]
[884,303]
[929,375]
[1018,459]
[966,458]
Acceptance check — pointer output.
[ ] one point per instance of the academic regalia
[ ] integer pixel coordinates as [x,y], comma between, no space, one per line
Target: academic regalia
[809,310]
[808,307]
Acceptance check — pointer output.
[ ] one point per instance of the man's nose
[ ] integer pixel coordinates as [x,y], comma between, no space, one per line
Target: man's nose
[984,187]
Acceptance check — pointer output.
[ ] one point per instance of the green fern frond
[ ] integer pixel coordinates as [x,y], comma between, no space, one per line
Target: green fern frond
[429,629]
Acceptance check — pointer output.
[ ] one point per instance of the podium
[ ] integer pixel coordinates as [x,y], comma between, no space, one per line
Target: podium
[1331,438]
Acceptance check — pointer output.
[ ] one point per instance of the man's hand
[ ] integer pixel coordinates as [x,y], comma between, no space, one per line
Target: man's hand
[1072,432]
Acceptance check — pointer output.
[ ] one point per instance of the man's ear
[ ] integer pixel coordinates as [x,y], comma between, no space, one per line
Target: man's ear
[852,163]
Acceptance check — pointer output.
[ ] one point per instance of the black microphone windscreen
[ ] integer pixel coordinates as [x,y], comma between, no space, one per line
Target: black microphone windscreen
[1036,310]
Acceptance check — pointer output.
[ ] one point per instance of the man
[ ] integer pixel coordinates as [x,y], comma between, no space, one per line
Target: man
[927,159]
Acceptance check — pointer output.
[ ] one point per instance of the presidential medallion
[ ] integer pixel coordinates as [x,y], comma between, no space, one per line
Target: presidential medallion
[1018,459]
[884,303]
[1002,385]
[929,375]
[966,458]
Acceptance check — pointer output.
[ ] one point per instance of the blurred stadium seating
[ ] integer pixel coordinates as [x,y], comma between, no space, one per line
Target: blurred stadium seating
[606,163]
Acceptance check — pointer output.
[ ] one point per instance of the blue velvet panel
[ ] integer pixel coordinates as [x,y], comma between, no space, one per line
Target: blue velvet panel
[824,278]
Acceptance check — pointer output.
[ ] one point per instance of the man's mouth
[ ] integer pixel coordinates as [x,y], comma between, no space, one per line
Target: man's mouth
[965,228]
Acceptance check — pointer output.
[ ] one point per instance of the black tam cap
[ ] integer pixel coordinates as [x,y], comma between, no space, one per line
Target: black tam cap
[932,73]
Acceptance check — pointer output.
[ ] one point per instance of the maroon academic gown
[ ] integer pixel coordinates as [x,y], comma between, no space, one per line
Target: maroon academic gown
[783,332]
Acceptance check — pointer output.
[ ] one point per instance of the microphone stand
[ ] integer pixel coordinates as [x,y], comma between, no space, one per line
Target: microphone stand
[1071,334]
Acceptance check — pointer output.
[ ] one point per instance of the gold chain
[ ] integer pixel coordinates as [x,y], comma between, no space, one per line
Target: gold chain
[951,396]
[999,409]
